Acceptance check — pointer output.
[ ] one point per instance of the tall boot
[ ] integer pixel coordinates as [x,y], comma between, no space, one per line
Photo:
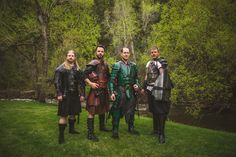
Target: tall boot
[61,128]
[90,125]
[115,127]
[131,129]
[156,128]
[72,127]
[102,123]
[162,129]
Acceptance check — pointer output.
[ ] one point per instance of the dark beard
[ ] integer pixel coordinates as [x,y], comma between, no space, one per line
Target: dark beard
[100,58]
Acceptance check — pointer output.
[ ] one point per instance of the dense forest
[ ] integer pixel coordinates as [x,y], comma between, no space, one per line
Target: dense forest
[197,37]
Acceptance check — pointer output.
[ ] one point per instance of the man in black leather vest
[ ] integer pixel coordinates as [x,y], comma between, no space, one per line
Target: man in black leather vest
[158,86]
[69,84]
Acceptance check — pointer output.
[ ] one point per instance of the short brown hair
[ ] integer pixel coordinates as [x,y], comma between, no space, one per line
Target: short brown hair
[155,48]
[100,45]
[123,48]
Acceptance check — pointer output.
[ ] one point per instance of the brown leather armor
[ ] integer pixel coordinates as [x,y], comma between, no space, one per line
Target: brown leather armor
[98,72]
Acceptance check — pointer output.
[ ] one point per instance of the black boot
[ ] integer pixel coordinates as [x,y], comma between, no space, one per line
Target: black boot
[61,139]
[131,126]
[162,119]
[156,128]
[72,127]
[162,139]
[115,126]
[90,125]
[131,129]
[102,123]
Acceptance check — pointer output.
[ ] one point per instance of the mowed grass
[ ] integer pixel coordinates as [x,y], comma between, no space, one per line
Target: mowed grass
[30,129]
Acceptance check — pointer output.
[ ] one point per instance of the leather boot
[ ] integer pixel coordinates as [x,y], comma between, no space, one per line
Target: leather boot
[115,127]
[90,125]
[156,128]
[61,139]
[102,123]
[72,127]
[162,129]
[131,126]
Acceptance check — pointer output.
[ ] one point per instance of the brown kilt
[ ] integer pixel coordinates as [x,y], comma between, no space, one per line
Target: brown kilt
[70,105]
[98,101]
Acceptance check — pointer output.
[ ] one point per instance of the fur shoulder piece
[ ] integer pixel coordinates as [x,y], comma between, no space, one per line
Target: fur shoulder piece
[94,62]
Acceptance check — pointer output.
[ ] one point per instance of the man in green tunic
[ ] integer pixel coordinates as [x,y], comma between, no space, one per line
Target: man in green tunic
[123,86]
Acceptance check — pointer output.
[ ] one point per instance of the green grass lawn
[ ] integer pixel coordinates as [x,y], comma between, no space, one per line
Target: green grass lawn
[30,129]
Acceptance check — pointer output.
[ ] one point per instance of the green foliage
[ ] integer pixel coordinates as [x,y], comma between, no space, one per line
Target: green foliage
[32,130]
[198,42]
[197,37]
[73,27]
[17,35]
[11,71]
[123,24]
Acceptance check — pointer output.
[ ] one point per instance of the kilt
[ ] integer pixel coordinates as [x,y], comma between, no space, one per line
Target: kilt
[70,105]
[98,101]
[158,107]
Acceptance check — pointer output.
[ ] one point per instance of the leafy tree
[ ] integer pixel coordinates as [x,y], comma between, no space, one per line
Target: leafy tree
[18,37]
[197,37]
[99,9]
[41,31]
[122,24]
[74,27]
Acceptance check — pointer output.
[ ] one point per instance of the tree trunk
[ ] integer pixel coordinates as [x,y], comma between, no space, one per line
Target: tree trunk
[45,48]
[35,70]
[132,50]
[43,20]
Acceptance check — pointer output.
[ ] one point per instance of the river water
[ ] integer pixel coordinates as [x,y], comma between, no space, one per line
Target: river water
[225,120]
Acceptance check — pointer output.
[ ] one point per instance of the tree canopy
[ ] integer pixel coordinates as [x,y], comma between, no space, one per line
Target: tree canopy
[197,37]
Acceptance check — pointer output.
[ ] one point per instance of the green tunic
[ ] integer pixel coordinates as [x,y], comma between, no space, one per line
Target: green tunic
[123,77]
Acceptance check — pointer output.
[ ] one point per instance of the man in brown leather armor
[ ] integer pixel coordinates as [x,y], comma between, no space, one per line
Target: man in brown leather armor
[97,76]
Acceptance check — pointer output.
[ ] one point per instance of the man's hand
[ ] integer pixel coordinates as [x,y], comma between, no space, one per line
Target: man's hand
[113,97]
[142,91]
[136,88]
[59,98]
[94,85]
[81,98]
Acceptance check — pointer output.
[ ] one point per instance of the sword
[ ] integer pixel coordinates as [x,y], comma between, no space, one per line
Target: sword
[137,104]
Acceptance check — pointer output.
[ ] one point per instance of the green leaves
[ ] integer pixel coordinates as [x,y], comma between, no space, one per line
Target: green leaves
[197,40]
[197,37]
